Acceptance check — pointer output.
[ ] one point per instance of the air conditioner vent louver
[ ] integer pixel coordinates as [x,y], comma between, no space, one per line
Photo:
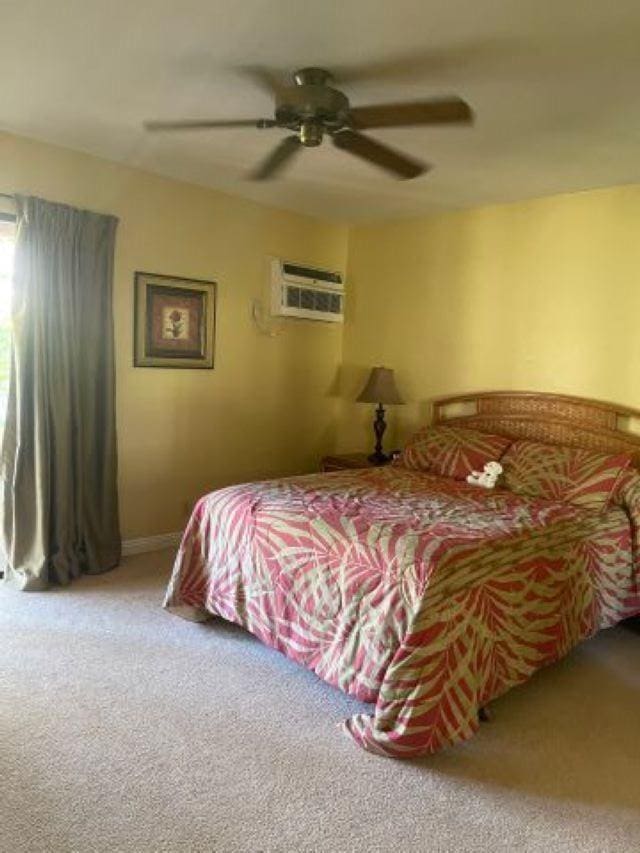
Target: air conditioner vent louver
[307,299]
[313,300]
[293,297]
[322,300]
[299,291]
[307,272]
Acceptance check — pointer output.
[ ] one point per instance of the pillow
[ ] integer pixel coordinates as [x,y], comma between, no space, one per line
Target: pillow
[451,451]
[558,473]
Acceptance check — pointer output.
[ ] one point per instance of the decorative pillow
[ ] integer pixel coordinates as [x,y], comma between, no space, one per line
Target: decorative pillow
[451,451]
[559,473]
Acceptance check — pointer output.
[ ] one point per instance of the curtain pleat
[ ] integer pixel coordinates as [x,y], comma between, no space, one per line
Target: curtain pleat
[59,457]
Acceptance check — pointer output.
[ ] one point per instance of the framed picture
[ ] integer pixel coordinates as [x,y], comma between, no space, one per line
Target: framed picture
[175,321]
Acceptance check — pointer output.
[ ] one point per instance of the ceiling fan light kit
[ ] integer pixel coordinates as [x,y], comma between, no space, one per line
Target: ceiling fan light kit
[311,108]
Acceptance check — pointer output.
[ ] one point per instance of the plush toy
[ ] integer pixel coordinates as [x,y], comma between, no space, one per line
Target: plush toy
[486,478]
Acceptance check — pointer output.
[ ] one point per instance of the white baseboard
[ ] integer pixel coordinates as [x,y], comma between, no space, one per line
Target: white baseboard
[151,543]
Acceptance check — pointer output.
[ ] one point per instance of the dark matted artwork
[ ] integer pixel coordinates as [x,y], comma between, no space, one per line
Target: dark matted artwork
[174,321]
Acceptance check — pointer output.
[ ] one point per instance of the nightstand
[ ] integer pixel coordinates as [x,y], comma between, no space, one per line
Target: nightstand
[342,461]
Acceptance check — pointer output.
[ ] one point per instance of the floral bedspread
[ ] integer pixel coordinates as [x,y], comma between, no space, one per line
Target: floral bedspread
[423,595]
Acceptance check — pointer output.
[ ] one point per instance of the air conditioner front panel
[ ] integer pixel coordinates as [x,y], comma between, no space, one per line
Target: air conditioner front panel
[312,294]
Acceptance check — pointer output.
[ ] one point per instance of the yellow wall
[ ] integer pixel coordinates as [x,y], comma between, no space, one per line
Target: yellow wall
[541,295]
[266,407]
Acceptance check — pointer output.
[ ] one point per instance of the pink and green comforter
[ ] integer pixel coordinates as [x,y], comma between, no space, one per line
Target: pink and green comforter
[421,594]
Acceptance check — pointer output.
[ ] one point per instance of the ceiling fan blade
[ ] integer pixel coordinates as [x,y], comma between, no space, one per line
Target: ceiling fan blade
[270,81]
[278,158]
[475,54]
[204,124]
[380,155]
[437,111]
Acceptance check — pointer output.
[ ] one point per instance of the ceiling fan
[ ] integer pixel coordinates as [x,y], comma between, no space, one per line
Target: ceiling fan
[311,108]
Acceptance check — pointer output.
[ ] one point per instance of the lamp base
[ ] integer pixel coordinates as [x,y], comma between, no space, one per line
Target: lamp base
[378,458]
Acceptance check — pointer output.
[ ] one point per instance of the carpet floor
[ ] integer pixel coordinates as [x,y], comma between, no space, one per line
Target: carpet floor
[123,728]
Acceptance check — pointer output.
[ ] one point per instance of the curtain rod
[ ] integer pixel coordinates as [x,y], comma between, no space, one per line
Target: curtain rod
[8,195]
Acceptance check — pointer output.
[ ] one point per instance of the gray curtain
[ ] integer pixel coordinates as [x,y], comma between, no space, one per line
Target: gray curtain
[58,457]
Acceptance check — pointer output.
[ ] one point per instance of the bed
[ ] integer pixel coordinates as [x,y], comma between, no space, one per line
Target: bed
[417,592]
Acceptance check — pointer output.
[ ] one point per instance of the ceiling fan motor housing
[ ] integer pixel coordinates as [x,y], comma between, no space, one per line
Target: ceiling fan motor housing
[311,106]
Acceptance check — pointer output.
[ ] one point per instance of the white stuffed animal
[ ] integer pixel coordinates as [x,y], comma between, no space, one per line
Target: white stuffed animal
[486,478]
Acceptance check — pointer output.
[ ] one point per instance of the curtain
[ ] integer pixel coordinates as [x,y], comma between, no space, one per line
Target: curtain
[58,454]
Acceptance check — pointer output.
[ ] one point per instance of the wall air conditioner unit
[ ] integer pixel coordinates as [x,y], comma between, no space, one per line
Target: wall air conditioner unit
[300,291]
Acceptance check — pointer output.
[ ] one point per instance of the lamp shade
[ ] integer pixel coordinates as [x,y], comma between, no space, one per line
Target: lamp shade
[380,388]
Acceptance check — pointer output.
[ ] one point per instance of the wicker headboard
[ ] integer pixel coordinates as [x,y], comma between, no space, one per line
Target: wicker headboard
[550,418]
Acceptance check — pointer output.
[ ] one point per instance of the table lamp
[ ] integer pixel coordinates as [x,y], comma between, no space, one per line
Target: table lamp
[380,389]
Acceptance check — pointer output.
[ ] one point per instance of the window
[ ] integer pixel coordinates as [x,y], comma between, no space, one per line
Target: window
[7,244]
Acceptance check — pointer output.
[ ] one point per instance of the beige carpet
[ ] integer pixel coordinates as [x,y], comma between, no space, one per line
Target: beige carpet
[123,728]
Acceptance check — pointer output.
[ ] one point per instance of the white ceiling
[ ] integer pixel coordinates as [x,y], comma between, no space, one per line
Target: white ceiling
[555,85]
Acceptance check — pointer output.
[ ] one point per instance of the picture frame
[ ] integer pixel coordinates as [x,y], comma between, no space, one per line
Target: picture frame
[174,321]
